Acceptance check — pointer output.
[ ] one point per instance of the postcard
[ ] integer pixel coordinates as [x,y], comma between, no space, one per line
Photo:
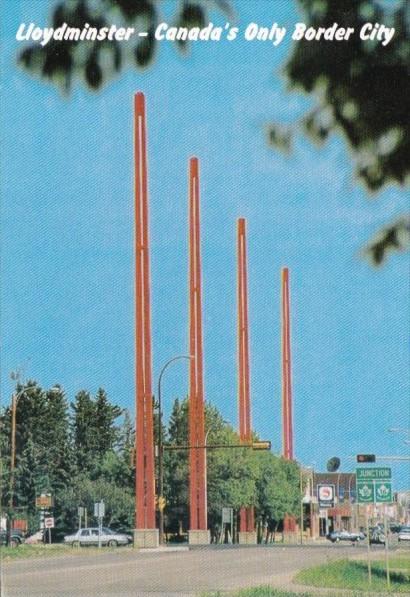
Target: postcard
[205,298]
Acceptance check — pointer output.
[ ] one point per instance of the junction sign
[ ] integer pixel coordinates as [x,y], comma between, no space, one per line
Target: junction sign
[374,485]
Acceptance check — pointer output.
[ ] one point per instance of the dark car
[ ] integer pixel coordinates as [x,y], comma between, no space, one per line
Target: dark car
[337,536]
[17,538]
[377,536]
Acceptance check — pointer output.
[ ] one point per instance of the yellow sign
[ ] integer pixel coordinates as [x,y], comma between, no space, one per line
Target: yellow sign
[160,502]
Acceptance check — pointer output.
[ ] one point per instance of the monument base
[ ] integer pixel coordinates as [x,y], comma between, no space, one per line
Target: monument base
[199,537]
[146,538]
[247,538]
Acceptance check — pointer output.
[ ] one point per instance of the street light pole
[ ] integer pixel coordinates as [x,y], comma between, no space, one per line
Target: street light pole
[160,447]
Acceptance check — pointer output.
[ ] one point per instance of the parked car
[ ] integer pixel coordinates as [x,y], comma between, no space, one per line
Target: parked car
[17,538]
[91,536]
[337,536]
[395,527]
[377,536]
[404,534]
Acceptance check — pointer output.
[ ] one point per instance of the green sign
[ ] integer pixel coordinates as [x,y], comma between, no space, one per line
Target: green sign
[369,474]
[383,492]
[374,485]
[365,492]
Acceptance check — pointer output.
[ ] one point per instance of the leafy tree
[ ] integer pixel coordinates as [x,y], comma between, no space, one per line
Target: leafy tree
[96,62]
[236,477]
[119,502]
[361,91]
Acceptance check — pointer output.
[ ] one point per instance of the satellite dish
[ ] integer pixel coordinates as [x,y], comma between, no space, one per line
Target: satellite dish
[333,464]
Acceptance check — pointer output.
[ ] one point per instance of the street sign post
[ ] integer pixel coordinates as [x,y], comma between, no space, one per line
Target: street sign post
[99,513]
[81,512]
[374,487]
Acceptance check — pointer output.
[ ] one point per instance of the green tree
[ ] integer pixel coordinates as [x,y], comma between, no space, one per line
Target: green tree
[176,470]
[361,90]
[107,432]
[83,430]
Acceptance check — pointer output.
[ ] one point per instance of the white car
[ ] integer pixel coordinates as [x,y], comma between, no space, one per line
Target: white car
[404,534]
[92,536]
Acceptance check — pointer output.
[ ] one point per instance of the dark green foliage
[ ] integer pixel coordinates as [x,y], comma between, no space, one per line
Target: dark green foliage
[235,476]
[96,62]
[57,451]
[361,90]
[82,455]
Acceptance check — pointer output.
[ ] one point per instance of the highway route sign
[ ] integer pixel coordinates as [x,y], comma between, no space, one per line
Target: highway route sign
[374,485]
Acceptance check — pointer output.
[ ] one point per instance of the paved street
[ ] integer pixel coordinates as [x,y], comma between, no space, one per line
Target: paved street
[126,573]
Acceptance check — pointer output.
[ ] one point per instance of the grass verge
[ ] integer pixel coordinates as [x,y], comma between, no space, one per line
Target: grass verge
[45,551]
[263,591]
[348,574]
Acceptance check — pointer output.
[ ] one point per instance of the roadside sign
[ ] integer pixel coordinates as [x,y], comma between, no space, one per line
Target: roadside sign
[99,509]
[383,492]
[374,485]
[227,515]
[44,501]
[326,495]
[365,492]
[366,474]
[81,511]
[49,522]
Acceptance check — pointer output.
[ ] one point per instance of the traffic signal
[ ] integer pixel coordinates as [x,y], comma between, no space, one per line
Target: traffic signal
[366,458]
[266,445]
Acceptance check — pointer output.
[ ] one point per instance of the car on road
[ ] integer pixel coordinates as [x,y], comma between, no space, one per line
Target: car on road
[92,536]
[337,536]
[404,534]
[16,539]
[377,536]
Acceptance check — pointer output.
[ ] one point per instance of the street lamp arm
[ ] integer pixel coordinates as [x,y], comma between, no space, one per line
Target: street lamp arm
[177,358]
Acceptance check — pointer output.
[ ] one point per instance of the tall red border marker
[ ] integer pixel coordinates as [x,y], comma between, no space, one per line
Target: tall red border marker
[145,534]
[289,523]
[198,533]
[246,515]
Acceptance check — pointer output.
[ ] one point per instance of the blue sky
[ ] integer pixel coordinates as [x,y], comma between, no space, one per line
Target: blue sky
[67,228]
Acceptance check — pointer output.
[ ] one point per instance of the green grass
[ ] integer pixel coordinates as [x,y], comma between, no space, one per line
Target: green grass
[45,551]
[347,574]
[263,591]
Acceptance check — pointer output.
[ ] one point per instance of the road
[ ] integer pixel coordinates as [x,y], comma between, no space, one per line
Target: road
[128,573]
